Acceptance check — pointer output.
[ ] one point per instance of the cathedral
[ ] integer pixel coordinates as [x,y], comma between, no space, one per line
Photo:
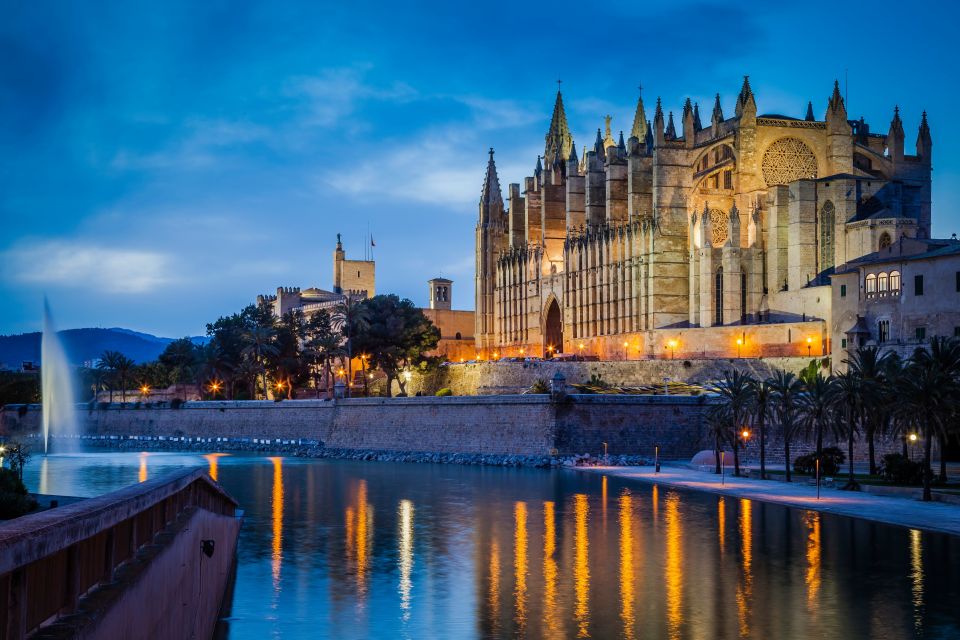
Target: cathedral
[692,238]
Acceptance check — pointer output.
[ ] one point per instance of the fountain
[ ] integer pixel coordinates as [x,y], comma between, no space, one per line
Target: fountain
[59,410]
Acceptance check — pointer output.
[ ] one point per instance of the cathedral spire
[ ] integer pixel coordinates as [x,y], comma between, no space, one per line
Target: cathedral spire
[810,117]
[558,138]
[697,125]
[671,133]
[538,170]
[573,153]
[924,140]
[746,101]
[598,146]
[717,116]
[490,197]
[895,136]
[835,104]
[658,124]
[621,146]
[639,130]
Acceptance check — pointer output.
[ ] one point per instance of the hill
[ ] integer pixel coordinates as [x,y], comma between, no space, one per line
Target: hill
[86,344]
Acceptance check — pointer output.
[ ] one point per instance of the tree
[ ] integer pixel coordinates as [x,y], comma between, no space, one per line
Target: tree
[351,317]
[870,366]
[761,408]
[736,390]
[180,358]
[119,367]
[817,404]
[321,346]
[848,396]
[786,389]
[719,422]
[260,346]
[396,335]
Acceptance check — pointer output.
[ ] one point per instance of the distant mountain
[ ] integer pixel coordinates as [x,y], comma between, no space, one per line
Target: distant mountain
[87,344]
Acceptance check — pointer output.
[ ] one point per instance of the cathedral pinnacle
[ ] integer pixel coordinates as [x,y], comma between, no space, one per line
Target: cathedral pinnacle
[671,130]
[573,154]
[538,170]
[745,100]
[621,147]
[558,139]
[598,145]
[717,116]
[491,185]
[639,130]
[810,117]
[836,104]
[697,125]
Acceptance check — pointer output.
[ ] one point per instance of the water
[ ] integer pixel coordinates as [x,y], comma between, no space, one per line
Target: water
[356,550]
[59,410]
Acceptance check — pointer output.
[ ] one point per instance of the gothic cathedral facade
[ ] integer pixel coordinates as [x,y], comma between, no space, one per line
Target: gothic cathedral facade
[701,239]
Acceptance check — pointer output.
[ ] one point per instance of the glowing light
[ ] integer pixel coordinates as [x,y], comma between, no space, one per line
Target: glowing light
[142,475]
[215,386]
[496,355]
[276,547]
[550,348]
[361,514]
[913,437]
[520,563]
[721,522]
[522,351]
[550,571]
[739,342]
[581,567]
[212,459]
[745,434]
[672,344]
[809,340]
[626,565]
[580,346]
[405,540]
[674,566]
[145,390]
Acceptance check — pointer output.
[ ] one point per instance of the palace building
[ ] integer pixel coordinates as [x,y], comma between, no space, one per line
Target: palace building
[698,237]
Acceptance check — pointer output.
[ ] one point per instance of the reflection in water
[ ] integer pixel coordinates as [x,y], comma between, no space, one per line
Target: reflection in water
[812,520]
[655,501]
[359,530]
[44,484]
[603,498]
[550,571]
[276,556]
[520,563]
[626,564]
[721,522]
[405,539]
[212,459]
[916,576]
[674,568]
[142,475]
[493,597]
[745,588]
[581,567]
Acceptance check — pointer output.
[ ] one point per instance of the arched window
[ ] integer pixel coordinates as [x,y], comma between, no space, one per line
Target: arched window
[459,337]
[871,284]
[885,240]
[882,283]
[827,220]
[895,281]
[718,296]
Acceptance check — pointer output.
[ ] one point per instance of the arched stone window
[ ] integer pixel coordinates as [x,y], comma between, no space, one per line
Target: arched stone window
[871,284]
[718,296]
[883,283]
[885,240]
[895,282]
[786,160]
[827,220]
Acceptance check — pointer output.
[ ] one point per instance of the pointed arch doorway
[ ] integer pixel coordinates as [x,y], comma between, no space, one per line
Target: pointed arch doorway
[552,330]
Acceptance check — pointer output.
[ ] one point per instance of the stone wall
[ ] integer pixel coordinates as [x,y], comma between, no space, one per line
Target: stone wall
[486,378]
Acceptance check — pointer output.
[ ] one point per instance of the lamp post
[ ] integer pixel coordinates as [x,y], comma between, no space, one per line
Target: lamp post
[913,442]
[745,434]
[672,344]
[145,391]
[809,345]
[656,458]
[626,354]
[739,344]
[580,346]
[549,351]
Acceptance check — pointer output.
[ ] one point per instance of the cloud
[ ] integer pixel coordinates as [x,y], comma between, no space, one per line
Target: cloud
[334,94]
[77,264]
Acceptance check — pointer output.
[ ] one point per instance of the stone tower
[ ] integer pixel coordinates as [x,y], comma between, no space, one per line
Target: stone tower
[491,234]
[441,293]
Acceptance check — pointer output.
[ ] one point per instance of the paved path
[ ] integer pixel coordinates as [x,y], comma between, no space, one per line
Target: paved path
[930,516]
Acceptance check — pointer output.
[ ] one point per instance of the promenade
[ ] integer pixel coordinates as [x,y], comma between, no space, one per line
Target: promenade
[905,512]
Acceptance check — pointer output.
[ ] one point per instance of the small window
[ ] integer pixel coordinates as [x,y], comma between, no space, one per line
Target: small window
[871,284]
[918,285]
[883,331]
[885,240]
[843,343]
[895,282]
[728,180]
[883,282]
[459,337]
[843,291]
[921,334]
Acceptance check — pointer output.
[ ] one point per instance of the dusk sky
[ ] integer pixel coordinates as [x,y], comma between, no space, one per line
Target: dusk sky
[162,163]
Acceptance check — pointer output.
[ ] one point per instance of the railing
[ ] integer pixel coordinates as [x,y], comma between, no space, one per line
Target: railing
[49,560]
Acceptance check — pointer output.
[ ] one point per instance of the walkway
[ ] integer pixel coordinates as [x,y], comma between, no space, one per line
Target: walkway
[929,516]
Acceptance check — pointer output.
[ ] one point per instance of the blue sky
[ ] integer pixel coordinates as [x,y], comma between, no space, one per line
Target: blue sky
[163,163]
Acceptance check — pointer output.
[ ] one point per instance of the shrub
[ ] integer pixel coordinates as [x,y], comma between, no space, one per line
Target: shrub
[829,466]
[898,469]
[442,393]
[596,380]
[14,499]
[540,386]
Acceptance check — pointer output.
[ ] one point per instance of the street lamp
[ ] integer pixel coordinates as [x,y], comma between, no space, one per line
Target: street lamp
[913,442]
[739,344]
[672,344]
[580,346]
[809,344]
[550,351]
[626,354]
[495,355]
[145,390]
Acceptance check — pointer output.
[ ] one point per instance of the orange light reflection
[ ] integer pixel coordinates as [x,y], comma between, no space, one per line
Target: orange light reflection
[674,565]
[520,564]
[276,556]
[627,592]
[581,567]
[550,621]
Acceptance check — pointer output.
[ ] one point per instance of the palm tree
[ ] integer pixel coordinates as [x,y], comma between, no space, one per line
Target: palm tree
[848,398]
[870,366]
[736,391]
[718,421]
[260,345]
[761,407]
[786,389]
[109,363]
[817,404]
[349,317]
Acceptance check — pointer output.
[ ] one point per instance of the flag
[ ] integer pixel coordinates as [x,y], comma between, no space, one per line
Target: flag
[372,243]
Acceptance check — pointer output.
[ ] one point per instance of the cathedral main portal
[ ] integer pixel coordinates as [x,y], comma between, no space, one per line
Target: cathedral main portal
[553,331]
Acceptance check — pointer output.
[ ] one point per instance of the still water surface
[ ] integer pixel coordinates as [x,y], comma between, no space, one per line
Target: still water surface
[377,550]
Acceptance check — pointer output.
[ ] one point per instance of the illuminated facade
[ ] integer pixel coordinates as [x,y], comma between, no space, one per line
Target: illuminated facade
[697,239]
